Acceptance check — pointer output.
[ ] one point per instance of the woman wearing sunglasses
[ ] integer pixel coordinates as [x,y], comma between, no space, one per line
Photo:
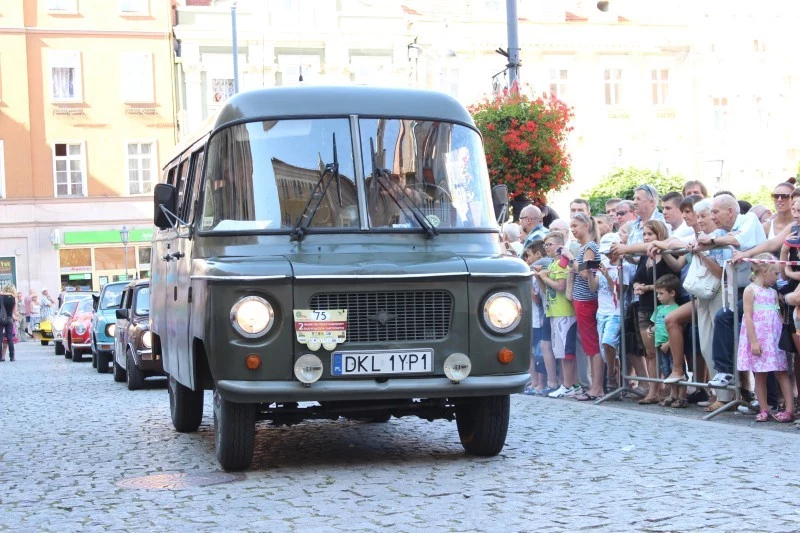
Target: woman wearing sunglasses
[782,197]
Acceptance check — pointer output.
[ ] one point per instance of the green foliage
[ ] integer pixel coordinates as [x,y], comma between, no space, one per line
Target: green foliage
[761,196]
[621,182]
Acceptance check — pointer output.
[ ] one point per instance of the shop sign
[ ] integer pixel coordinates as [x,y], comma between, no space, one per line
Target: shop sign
[106,237]
[73,277]
[76,269]
[8,271]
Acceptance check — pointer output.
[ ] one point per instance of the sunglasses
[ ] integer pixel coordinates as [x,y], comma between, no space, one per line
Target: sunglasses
[622,213]
[781,196]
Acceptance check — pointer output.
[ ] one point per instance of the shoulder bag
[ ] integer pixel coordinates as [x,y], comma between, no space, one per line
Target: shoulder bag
[700,282]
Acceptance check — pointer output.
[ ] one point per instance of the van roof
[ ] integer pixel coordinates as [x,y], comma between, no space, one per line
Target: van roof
[316,100]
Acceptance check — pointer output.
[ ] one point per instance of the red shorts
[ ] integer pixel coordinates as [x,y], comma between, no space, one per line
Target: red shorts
[586,315]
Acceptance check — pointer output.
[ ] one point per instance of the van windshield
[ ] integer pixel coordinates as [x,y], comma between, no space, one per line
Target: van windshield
[260,176]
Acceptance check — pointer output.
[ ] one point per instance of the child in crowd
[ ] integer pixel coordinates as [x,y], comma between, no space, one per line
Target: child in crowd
[667,288]
[553,283]
[539,344]
[759,336]
[608,322]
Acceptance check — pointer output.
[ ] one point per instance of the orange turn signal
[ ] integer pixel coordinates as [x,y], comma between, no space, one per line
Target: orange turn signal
[505,355]
[253,361]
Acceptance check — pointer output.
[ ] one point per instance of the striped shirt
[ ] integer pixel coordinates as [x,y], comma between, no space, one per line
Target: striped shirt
[580,289]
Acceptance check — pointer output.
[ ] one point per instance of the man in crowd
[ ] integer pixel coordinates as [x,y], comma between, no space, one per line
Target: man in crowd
[695,187]
[671,208]
[744,232]
[624,213]
[579,205]
[530,221]
[645,201]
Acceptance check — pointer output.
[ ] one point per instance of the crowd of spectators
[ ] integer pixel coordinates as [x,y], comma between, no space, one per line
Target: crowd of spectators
[630,263]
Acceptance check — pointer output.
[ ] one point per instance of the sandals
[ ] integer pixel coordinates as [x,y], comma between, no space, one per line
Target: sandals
[648,401]
[667,402]
[585,397]
[714,406]
[782,416]
[763,416]
[679,403]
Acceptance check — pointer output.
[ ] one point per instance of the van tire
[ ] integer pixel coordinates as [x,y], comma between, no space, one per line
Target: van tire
[483,424]
[59,347]
[135,377]
[119,372]
[234,433]
[185,406]
[102,362]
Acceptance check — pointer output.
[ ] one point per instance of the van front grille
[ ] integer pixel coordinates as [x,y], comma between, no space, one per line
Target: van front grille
[391,316]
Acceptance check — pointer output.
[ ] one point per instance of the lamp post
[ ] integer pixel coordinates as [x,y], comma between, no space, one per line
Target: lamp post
[235,49]
[123,236]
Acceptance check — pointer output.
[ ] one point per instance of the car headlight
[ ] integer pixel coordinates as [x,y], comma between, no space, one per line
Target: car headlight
[80,329]
[252,316]
[111,329]
[147,339]
[502,312]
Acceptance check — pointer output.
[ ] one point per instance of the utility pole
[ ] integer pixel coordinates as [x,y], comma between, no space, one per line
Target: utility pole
[513,44]
[235,50]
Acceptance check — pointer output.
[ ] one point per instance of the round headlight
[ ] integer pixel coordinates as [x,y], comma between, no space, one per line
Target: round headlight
[308,368]
[80,329]
[111,329]
[252,316]
[502,312]
[147,339]
[457,367]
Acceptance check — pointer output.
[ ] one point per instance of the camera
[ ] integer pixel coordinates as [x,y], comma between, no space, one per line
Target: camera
[592,264]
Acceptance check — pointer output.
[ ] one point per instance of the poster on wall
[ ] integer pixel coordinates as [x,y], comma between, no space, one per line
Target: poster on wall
[8,271]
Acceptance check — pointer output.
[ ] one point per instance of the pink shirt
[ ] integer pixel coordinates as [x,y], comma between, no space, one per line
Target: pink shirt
[28,305]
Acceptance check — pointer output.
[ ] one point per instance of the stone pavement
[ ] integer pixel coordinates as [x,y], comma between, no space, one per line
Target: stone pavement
[68,434]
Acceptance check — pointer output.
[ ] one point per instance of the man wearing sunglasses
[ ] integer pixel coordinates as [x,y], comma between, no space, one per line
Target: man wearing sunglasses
[530,221]
[624,213]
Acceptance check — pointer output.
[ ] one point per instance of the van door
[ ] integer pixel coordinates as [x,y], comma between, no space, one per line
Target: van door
[180,305]
[163,240]
[172,258]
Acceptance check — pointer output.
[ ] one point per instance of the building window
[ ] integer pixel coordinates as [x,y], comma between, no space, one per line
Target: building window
[558,83]
[63,6]
[720,106]
[292,66]
[141,165]
[660,86]
[137,77]
[65,75]
[133,7]
[221,89]
[2,171]
[371,70]
[69,169]
[613,86]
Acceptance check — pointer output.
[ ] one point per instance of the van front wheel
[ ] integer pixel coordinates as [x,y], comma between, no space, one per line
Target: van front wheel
[185,406]
[483,423]
[234,433]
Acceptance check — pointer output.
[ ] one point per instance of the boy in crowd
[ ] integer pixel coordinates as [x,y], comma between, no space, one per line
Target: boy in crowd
[540,345]
[606,283]
[553,283]
[667,288]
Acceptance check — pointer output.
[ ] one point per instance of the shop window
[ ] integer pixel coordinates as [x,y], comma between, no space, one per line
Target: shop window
[75,257]
[114,258]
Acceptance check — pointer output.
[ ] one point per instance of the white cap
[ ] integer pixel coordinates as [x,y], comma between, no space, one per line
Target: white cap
[607,240]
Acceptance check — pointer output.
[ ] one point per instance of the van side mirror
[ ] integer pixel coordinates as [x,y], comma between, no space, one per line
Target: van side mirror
[164,195]
[122,314]
[500,202]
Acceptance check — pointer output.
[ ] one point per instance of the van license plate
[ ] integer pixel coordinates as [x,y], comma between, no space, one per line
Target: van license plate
[382,362]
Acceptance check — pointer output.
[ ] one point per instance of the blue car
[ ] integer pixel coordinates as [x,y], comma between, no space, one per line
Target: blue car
[104,322]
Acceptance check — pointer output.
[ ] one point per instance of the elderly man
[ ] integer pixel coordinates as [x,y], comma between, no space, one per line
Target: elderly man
[530,221]
[645,201]
[579,205]
[743,232]
[624,213]
[762,212]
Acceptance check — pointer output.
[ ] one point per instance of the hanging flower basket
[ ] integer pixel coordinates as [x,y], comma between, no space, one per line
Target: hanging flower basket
[525,142]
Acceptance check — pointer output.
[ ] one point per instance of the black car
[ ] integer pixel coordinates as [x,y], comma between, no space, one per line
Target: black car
[133,354]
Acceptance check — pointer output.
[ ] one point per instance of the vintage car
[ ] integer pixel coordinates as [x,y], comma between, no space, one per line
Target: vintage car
[77,332]
[42,329]
[57,323]
[104,323]
[133,356]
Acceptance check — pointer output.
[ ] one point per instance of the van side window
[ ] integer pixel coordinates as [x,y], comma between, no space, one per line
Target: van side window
[170,177]
[183,175]
[193,187]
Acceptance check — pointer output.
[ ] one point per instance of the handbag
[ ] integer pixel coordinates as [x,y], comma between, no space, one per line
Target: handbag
[700,282]
[786,342]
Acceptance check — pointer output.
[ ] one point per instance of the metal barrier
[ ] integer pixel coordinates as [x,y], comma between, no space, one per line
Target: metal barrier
[623,355]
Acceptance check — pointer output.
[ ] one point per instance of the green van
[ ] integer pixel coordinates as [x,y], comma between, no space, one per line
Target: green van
[327,252]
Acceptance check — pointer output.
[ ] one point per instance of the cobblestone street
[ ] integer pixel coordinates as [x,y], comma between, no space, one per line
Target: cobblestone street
[69,435]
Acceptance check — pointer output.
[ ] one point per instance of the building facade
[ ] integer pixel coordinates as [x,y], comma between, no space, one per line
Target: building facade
[86,120]
[662,85]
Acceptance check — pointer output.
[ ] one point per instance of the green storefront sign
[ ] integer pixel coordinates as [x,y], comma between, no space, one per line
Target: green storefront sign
[106,237]
[8,271]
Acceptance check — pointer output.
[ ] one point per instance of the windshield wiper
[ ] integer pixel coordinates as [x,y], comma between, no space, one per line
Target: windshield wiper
[318,194]
[380,176]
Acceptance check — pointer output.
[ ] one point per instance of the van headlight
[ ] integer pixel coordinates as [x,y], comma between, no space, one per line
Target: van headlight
[502,312]
[252,316]
[111,329]
[147,339]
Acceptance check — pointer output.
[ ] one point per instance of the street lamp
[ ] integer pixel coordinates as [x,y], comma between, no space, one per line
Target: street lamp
[123,236]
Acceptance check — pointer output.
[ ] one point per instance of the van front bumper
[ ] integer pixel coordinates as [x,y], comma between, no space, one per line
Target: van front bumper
[369,389]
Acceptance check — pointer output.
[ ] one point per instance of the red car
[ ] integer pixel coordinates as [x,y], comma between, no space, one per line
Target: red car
[77,335]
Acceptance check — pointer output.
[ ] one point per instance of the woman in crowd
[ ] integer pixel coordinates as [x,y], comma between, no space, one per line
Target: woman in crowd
[783,210]
[8,317]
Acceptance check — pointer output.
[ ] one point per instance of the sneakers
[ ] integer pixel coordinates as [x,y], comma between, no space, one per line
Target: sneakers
[566,392]
[721,380]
